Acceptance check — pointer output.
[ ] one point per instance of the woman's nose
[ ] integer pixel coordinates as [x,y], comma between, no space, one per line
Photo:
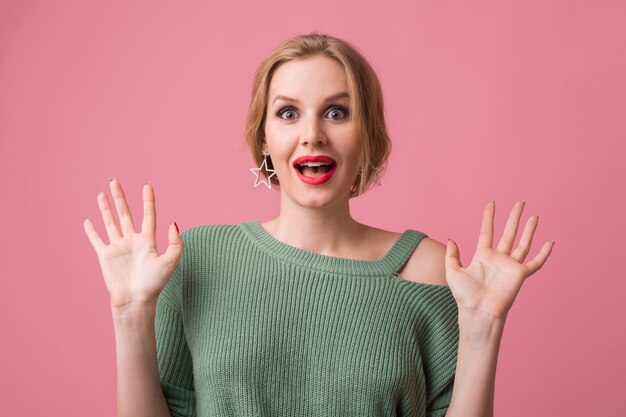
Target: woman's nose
[313,132]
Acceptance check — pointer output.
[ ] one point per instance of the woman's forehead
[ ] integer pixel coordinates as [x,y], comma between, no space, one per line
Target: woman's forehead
[313,77]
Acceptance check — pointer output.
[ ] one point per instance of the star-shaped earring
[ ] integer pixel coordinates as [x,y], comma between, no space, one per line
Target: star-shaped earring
[259,177]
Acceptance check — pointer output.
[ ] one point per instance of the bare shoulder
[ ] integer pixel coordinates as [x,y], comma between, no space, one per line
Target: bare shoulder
[427,263]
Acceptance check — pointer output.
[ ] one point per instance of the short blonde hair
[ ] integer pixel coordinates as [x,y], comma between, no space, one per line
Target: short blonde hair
[366,101]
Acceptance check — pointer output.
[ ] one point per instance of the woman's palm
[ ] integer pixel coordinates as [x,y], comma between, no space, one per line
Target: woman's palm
[133,271]
[491,282]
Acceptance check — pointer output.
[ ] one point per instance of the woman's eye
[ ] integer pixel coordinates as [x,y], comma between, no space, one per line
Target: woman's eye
[342,111]
[286,110]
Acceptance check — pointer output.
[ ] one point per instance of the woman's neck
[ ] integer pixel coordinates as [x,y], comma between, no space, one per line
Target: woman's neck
[326,230]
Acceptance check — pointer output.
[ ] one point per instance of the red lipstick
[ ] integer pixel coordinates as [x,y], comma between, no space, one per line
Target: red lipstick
[315,159]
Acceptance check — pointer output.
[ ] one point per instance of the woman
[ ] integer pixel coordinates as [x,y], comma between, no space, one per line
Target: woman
[311,313]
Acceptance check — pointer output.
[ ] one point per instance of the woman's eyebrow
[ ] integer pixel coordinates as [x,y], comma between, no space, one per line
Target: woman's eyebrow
[333,97]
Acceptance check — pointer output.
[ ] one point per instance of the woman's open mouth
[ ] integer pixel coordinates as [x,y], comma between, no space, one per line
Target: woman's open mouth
[315,170]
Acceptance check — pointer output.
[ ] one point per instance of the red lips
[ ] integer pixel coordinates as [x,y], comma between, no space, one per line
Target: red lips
[315,158]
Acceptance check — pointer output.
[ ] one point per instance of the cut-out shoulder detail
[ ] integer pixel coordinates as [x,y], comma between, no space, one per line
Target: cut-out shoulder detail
[379,243]
[388,264]
[426,264]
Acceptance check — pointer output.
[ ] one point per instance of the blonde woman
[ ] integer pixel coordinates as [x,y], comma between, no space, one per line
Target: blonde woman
[311,312]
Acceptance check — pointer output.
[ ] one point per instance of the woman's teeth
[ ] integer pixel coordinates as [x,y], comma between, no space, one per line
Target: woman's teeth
[314,169]
[316,164]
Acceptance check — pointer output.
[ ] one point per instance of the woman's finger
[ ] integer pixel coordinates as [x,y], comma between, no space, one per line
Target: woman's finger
[93,237]
[148,224]
[510,229]
[175,245]
[452,258]
[522,250]
[485,239]
[538,261]
[123,212]
[107,217]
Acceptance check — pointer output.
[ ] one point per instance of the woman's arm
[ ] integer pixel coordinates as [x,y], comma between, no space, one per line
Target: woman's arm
[474,381]
[485,291]
[138,386]
[135,274]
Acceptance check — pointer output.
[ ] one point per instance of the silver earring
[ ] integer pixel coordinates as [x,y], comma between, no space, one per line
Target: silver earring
[259,178]
[379,170]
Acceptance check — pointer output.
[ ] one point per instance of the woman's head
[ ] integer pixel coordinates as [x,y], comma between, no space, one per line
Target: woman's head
[365,98]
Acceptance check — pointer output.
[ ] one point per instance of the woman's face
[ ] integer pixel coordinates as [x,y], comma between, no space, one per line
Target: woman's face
[308,116]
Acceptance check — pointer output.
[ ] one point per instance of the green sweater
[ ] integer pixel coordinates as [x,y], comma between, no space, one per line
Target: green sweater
[250,326]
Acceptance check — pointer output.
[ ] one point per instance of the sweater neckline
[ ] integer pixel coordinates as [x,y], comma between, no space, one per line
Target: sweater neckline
[390,263]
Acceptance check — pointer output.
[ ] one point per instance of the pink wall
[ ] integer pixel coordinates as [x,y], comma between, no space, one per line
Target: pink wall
[485,100]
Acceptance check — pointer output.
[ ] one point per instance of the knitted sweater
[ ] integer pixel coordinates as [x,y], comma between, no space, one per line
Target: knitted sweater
[250,326]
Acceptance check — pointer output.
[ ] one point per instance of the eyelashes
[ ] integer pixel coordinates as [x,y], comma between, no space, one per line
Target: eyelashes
[335,107]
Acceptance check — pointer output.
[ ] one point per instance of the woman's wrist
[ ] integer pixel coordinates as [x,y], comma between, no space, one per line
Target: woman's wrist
[479,326]
[134,314]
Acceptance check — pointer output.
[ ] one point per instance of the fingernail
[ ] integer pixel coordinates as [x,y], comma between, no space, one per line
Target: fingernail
[177,231]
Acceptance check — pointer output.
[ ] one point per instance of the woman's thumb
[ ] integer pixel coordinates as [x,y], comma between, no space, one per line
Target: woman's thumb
[452,259]
[175,244]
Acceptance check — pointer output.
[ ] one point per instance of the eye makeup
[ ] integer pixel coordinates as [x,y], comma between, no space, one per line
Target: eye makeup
[333,107]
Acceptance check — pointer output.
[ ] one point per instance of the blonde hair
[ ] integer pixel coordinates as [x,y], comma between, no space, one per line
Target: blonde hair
[366,101]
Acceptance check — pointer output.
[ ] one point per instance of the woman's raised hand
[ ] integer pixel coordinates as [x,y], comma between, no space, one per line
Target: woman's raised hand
[491,282]
[133,271]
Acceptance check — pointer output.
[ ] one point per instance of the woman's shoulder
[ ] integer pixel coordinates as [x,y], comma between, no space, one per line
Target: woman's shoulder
[427,262]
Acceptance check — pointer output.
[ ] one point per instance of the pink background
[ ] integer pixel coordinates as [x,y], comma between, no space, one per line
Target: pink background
[485,100]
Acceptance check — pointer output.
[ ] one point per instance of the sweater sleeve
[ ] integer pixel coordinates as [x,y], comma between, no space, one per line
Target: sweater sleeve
[173,355]
[440,351]
[439,405]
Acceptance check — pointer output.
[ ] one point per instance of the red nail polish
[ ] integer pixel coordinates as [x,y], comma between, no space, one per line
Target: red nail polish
[177,231]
